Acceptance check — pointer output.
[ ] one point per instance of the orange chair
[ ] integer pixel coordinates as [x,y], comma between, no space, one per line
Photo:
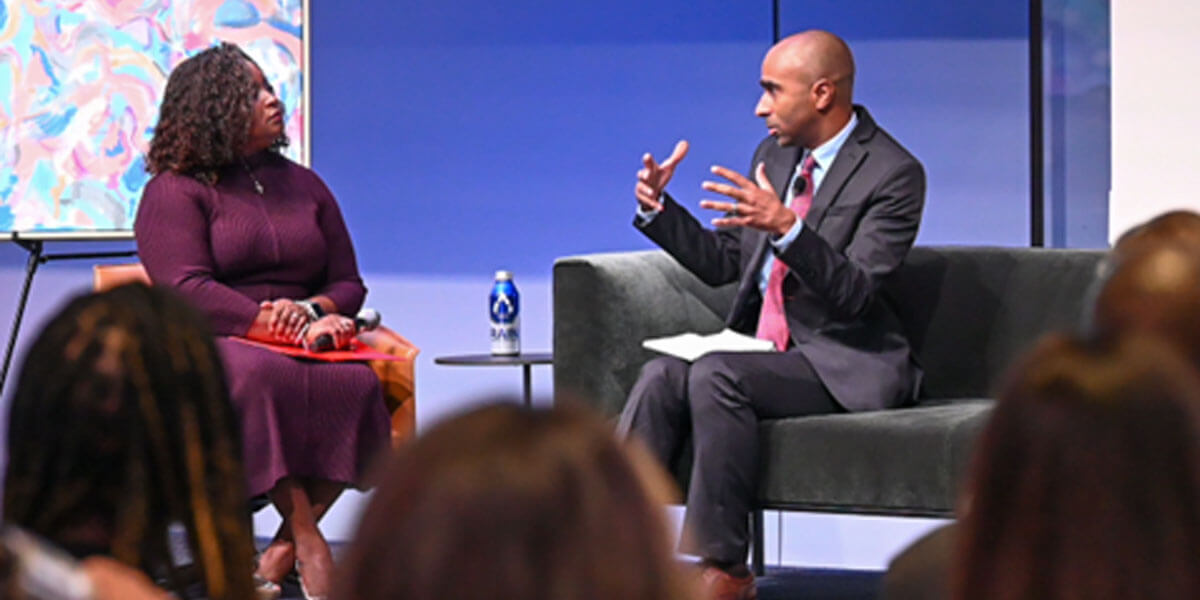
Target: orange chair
[395,376]
[107,277]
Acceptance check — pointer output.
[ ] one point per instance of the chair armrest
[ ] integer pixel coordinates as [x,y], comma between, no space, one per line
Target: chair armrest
[396,377]
[107,277]
[606,304]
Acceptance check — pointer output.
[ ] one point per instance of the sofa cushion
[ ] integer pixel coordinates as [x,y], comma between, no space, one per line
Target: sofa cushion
[904,461]
[969,311]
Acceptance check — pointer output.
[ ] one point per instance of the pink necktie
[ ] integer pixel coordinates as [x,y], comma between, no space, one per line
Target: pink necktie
[772,322]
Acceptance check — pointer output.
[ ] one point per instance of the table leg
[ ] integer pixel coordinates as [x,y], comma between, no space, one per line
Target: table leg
[528,385]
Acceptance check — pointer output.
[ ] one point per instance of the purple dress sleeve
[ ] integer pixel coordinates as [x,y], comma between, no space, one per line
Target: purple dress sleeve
[173,244]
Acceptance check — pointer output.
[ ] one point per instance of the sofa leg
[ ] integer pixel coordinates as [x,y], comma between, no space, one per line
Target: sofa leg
[756,549]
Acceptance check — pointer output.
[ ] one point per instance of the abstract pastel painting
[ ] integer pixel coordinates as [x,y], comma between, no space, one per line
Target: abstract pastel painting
[80,84]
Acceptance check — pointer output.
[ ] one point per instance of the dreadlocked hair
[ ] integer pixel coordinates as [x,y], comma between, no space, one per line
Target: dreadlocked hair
[120,427]
[205,116]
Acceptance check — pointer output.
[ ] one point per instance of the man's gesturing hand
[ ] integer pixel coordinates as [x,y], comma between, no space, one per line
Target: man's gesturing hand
[756,206]
[652,178]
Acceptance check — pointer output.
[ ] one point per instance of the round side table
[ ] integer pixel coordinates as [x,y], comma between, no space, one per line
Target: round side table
[525,360]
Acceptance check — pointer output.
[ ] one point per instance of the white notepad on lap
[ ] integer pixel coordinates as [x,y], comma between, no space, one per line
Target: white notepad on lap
[690,346]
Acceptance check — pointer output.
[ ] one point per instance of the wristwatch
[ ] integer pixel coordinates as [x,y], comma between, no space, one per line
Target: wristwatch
[314,310]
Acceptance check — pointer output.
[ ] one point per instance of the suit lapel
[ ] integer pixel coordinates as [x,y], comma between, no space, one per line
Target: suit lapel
[779,168]
[847,161]
[844,165]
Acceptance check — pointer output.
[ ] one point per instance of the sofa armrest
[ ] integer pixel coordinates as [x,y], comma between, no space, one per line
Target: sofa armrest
[606,304]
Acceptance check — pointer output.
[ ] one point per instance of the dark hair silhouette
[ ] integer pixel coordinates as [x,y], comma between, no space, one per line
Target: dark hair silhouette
[1177,227]
[120,427]
[1086,482]
[1154,289]
[510,503]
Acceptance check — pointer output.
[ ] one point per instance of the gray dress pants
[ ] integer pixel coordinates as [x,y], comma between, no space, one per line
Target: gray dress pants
[718,401]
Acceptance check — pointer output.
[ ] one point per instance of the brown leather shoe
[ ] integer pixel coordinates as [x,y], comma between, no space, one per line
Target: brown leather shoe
[719,585]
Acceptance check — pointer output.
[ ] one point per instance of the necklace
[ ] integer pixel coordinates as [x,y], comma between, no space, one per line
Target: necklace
[258,186]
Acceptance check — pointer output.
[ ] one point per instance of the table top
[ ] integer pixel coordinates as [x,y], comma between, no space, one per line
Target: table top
[486,360]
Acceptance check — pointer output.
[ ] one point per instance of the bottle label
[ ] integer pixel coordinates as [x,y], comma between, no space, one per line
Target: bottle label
[505,317]
[506,337]
[504,308]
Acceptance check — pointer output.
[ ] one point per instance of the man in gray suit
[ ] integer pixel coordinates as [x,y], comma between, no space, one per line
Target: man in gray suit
[831,208]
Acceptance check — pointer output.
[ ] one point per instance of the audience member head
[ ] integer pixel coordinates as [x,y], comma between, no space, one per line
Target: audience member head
[208,112]
[1153,289]
[1177,227]
[1086,480]
[504,502]
[808,88]
[121,427]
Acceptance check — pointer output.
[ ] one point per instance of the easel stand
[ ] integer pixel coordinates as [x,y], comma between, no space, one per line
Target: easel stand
[37,256]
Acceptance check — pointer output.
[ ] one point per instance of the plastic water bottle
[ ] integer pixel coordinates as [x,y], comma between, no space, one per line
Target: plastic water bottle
[504,309]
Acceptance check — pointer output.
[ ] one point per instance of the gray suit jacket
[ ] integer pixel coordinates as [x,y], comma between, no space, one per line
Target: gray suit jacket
[862,222]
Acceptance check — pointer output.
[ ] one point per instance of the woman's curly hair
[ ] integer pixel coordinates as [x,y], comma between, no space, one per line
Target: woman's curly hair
[205,114]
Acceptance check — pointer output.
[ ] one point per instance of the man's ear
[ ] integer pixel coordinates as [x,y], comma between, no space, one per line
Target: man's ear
[823,91]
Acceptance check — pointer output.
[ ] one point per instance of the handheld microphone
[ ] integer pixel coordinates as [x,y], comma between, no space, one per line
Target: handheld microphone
[366,320]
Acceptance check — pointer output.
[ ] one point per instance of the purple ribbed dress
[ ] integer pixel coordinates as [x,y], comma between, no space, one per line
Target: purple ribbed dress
[226,248]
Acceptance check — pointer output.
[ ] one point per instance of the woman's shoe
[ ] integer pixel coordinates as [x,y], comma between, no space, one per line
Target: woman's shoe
[276,578]
[304,588]
[265,589]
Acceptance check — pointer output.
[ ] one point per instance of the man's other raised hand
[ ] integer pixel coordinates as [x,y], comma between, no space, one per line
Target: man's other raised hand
[755,203]
[653,177]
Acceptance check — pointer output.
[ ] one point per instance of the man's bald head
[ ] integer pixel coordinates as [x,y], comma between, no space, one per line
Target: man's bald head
[807,81]
[1154,290]
[817,54]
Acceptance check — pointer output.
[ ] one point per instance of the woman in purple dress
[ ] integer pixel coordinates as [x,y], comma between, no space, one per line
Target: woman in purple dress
[258,244]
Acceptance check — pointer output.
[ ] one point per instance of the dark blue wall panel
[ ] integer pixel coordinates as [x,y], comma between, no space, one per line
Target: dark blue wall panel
[425,22]
[468,136]
[910,19]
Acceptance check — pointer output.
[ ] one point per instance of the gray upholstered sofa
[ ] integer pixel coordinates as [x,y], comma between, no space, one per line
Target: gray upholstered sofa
[968,311]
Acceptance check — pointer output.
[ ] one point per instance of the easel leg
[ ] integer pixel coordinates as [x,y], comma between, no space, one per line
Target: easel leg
[35,259]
